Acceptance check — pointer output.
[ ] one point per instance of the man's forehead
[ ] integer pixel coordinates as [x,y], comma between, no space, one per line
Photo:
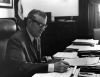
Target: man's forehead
[40,19]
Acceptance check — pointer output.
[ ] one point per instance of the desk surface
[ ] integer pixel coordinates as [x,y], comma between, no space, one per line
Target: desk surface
[54,74]
[69,72]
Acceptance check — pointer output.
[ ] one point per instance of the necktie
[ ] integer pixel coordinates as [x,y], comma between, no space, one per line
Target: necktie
[36,50]
[35,44]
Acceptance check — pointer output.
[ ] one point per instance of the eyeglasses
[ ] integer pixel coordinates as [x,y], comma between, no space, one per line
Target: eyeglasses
[41,25]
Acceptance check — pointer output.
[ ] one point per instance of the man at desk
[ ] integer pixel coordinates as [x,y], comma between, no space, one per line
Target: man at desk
[23,59]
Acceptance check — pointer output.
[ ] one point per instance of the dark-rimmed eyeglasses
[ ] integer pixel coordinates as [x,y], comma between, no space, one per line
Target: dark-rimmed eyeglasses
[40,24]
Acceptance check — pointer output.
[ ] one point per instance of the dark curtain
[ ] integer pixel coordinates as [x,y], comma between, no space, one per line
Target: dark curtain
[83,19]
[19,14]
[94,18]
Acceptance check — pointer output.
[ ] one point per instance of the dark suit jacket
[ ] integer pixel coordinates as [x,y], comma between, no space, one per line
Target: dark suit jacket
[21,58]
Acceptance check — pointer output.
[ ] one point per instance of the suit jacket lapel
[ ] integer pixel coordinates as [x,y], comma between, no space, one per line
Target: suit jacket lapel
[29,44]
[33,50]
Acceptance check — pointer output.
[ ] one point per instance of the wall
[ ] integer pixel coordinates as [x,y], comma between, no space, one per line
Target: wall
[57,7]
[7,12]
[46,5]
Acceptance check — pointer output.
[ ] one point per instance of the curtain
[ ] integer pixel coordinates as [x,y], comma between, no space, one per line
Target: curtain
[82,27]
[19,14]
[94,18]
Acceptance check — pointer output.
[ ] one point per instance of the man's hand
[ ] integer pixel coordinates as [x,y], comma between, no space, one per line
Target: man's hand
[61,66]
[46,58]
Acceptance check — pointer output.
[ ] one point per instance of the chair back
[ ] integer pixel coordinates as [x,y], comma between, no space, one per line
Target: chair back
[7,28]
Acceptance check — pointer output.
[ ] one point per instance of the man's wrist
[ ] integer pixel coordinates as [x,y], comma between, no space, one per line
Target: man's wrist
[51,67]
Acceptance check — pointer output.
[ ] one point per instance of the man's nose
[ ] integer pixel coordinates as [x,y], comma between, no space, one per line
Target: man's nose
[43,28]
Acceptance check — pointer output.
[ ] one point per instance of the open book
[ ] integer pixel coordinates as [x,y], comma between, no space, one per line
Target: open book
[83,61]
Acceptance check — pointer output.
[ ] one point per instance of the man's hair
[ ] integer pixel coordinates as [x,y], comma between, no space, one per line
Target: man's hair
[33,12]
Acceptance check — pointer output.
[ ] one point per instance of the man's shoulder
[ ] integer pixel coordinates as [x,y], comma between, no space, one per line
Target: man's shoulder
[19,34]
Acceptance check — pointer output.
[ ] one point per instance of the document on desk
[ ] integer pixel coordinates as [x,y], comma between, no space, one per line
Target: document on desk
[84,48]
[77,46]
[65,55]
[90,48]
[87,41]
[83,61]
[54,74]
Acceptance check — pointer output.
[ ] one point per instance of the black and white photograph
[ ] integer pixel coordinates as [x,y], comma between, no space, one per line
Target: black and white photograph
[49,38]
[6,3]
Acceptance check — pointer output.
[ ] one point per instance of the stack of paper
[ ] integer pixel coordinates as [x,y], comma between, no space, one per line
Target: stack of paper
[83,61]
[84,48]
[94,48]
[87,40]
[65,55]
[77,46]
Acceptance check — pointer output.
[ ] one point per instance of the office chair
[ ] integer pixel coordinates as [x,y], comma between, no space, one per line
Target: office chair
[7,28]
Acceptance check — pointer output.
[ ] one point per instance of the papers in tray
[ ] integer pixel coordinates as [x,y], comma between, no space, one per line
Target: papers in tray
[65,55]
[83,61]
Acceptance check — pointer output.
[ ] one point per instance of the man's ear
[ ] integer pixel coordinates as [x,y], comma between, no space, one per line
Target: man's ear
[29,21]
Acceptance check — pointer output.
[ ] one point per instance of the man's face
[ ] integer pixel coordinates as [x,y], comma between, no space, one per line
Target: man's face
[37,26]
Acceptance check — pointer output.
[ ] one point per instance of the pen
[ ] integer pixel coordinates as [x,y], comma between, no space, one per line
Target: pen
[74,69]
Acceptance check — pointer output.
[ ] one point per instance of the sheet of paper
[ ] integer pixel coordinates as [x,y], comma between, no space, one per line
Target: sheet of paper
[65,55]
[83,61]
[85,48]
[37,75]
[96,47]
[87,40]
[54,74]
[77,46]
